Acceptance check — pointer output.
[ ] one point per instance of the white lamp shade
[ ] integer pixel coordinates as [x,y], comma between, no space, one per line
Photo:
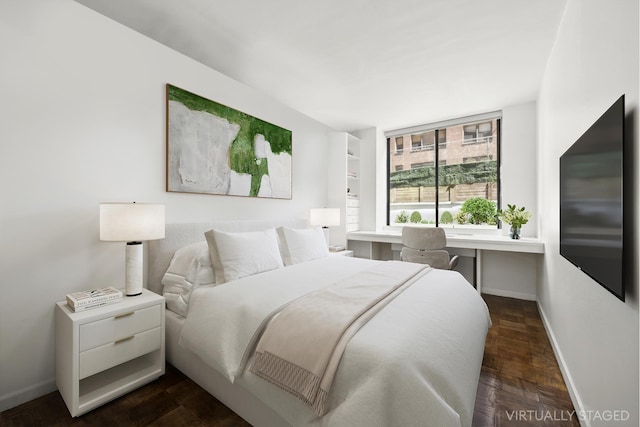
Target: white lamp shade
[129,222]
[325,217]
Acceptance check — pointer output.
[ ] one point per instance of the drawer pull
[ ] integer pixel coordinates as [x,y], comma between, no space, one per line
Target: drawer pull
[124,339]
[119,316]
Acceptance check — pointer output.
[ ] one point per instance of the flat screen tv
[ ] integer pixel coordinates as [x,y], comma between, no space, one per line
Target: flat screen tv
[591,201]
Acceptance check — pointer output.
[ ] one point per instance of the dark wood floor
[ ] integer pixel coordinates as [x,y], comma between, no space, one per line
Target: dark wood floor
[519,373]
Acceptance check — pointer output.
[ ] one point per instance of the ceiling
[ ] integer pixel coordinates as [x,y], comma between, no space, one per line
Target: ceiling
[361,63]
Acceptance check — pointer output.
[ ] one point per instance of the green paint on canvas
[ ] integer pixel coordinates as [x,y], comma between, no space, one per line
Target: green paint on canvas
[241,152]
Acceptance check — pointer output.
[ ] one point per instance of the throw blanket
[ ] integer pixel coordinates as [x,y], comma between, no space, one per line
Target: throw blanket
[302,344]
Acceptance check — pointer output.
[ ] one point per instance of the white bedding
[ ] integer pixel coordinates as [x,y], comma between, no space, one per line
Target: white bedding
[417,362]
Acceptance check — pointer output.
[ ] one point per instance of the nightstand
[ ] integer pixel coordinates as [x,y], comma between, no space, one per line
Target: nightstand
[106,352]
[342,253]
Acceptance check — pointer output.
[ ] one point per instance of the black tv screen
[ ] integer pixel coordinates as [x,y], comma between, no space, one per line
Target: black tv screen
[591,201]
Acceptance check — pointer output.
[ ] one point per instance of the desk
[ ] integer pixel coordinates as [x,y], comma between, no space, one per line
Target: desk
[475,242]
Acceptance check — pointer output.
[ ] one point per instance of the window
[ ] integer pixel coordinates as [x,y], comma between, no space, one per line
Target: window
[416,142]
[478,133]
[421,165]
[476,159]
[467,162]
[399,145]
[442,138]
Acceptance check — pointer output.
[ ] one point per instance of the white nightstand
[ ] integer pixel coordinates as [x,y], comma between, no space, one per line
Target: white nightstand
[342,253]
[106,352]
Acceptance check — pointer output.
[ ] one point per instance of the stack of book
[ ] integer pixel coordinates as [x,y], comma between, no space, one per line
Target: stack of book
[86,300]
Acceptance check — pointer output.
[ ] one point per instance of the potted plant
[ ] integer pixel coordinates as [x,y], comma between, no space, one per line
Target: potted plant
[515,217]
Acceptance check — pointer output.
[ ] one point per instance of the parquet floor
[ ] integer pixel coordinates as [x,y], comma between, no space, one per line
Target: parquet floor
[519,373]
[520,382]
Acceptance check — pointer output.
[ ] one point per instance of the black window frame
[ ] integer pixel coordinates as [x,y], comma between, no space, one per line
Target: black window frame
[437,167]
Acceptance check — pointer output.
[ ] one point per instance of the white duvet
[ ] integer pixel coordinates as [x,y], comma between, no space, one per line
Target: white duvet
[416,363]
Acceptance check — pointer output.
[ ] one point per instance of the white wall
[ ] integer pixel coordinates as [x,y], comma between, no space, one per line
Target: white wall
[83,119]
[593,62]
[518,162]
[510,274]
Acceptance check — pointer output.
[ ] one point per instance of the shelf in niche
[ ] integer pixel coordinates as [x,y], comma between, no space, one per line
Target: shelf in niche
[345,162]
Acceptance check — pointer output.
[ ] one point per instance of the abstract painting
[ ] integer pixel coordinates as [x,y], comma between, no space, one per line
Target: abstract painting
[215,149]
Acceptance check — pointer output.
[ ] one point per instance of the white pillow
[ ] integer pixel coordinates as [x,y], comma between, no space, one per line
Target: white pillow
[190,267]
[302,245]
[238,255]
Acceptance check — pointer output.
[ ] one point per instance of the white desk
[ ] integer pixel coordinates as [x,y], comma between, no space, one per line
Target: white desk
[475,242]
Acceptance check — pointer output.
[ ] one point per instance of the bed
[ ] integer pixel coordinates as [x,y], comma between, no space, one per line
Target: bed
[416,362]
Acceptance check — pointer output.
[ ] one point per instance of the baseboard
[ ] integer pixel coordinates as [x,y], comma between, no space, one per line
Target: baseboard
[15,398]
[508,294]
[573,393]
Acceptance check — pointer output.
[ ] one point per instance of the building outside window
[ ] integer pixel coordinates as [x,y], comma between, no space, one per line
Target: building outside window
[416,142]
[399,145]
[442,138]
[421,165]
[478,133]
[468,167]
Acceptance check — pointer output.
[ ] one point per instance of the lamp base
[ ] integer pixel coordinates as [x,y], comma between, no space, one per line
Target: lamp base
[133,271]
[325,230]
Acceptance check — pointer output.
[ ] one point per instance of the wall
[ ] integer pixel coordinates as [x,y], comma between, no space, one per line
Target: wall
[593,62]
[505,273]
[518,162]
[83,108]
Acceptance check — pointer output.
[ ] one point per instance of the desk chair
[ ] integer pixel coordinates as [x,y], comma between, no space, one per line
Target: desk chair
[425,245]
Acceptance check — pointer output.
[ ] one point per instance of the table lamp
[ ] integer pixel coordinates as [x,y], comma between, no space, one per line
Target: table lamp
[132,223]
[325,218]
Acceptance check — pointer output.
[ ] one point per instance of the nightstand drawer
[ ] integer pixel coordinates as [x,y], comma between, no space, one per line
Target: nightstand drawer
[111,329]
[109,355]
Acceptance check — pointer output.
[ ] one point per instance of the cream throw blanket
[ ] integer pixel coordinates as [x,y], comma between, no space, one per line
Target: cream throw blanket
[302,344]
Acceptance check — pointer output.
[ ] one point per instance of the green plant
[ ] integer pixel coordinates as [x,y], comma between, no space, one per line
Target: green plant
[513,216]
[461,217]
[415,217]
[402,218]
[480,210]
[446,217]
